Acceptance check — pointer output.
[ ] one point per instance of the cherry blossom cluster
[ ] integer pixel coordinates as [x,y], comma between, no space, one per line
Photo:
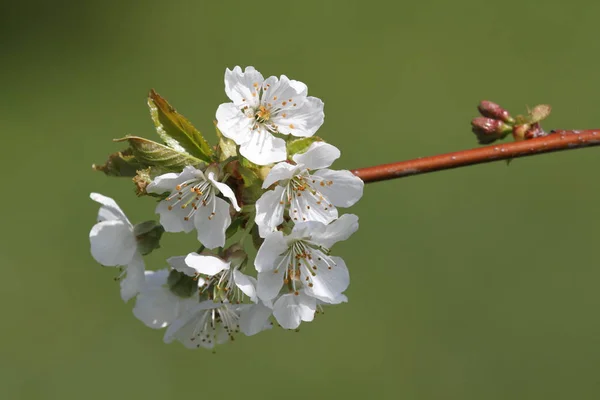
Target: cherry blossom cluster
[266,184]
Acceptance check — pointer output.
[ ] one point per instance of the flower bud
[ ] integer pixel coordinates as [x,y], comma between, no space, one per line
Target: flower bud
[488,130]
[519,132]
[493,110]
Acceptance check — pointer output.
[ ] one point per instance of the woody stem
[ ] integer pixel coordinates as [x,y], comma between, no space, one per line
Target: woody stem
[557,140]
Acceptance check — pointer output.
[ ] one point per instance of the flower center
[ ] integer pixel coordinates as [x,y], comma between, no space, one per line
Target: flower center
[303,257]
[210,322]
[221,287]
[262,115]
[301,192]
[192,193]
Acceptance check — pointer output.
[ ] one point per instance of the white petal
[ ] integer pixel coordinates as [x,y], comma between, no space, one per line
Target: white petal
[263,148]
[173,220]
[319,155]
[208,265]
[133,281]
[341,299]
[163,183]
[183,327]
[225,190]
[178,264]
[233,123]
[338,230]
[283,94]
[269,284]
[268,303]
[168,182]
[243,87]
[255,319]
[155,305]
[328,284]
[343,188]
[113,243]
[302,121]
[269,211]
[291,309]
[270,251]
[110,210]
[155,279]
[247,284]
[211,227]
[299,87]
[308,229]
[192,313]
[280,172]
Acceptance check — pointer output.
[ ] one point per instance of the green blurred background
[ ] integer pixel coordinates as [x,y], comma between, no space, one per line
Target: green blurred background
[478,283]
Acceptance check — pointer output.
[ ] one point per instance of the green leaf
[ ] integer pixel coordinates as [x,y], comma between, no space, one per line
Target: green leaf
[537,114]
[176,131]
[121,163]
[151,154]
[257,241]
[253,176]
[148,236]
[181,285]
[227,147]
[144,228]
[249,172]
[299,146]
[235,225]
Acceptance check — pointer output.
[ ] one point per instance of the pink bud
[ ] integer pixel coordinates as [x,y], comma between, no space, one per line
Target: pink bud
[488,130]
[493,110]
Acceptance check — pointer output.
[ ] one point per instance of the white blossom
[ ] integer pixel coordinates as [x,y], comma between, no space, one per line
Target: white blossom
[301,262]
[261,108]
[206,324]
[193,202]
[156,306]
[113,243]
[232,284]
[308,190]
[195,322]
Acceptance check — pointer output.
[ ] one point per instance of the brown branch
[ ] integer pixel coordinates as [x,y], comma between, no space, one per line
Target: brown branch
[558,140]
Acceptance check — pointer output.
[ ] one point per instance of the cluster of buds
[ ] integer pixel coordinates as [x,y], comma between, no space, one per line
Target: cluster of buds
[496,123]
[267,179]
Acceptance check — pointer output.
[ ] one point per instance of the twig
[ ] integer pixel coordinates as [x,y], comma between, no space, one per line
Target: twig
[558,140]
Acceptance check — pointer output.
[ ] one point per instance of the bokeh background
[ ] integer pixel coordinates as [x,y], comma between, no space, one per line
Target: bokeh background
[478,283]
